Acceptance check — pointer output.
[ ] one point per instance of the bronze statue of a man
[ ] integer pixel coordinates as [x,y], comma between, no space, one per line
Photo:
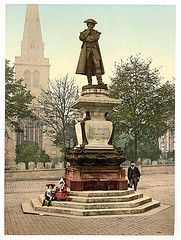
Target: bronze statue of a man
[90,61]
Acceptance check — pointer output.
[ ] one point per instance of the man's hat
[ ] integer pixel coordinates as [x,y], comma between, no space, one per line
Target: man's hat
[90,21]
[50,183]
[132,161]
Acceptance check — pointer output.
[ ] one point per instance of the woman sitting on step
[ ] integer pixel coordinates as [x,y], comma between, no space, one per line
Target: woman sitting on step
[61,191]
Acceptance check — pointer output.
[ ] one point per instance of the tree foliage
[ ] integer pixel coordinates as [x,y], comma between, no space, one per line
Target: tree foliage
[17,99]
[145,149]
[56,112]
[147,105]
[30,152]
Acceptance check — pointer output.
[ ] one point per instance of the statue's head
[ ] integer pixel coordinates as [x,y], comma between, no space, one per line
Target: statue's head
[90,23]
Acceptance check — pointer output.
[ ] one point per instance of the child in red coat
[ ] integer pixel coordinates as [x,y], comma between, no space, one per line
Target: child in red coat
[61,191]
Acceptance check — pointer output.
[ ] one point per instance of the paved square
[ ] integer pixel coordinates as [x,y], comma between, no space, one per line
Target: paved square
[158,186]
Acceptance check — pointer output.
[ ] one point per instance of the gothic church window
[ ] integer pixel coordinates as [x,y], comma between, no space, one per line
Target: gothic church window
[27,78]
[32,131]
[38,130]
[20,135]
[36,78]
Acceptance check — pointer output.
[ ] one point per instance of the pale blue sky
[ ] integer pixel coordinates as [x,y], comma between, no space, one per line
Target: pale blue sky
[126,30]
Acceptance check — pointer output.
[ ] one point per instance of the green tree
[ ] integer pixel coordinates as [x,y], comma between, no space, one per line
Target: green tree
[30,152]
[145,149]
[56,113]
[42,156]
[147,105]
[17,100]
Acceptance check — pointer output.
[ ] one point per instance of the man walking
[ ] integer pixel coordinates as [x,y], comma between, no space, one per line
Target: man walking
[133,175]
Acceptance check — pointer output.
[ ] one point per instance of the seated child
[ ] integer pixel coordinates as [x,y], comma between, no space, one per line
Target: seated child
[49,194]
[61,191]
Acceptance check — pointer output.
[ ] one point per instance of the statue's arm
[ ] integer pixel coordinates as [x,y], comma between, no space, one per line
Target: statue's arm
[83,35]
[94,38]
[97,36]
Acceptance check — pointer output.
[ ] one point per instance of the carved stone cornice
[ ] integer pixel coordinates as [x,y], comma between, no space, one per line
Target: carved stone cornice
[95,157]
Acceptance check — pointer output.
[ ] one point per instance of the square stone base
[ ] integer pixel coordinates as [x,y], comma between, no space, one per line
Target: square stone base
[96,178]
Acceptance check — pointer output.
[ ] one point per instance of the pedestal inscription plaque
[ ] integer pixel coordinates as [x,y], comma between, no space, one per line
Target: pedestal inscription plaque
[98,134]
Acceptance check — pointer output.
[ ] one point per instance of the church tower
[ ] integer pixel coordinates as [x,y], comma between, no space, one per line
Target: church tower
[34,68]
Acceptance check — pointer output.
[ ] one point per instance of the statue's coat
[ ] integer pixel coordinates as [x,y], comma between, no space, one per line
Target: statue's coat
[82,66]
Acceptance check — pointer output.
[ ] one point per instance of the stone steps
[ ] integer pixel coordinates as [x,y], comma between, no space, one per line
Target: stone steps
[89,200]
[100,205]
[100,193]
[123,198]
[94,203]
[95,212]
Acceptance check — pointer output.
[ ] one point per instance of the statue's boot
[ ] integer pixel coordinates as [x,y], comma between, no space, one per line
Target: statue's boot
[89,78]
[100,82]
[99,77]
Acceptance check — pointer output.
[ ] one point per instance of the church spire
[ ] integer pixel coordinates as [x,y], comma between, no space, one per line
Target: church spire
[32,45]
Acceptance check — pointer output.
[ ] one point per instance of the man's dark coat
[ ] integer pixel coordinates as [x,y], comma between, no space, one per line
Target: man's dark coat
[133,173]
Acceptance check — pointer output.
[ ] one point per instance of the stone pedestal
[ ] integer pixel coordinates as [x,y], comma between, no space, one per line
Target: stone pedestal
[96,129]
[96,178]
[95,162]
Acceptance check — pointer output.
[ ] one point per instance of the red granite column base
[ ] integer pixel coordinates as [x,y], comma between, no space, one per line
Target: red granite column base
[96,178]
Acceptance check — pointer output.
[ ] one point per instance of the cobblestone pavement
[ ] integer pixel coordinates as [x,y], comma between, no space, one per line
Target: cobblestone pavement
[160,187]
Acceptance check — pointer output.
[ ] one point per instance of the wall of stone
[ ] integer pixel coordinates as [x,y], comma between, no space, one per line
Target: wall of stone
[46,174]
[156,169]
[50,174]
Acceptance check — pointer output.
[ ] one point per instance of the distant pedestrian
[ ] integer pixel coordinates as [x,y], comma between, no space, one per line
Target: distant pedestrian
[61,191]
[138,164]
[133,175]
[49,194]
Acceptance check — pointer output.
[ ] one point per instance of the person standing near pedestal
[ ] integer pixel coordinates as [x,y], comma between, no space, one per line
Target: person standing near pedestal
[90,61]
[133,175]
